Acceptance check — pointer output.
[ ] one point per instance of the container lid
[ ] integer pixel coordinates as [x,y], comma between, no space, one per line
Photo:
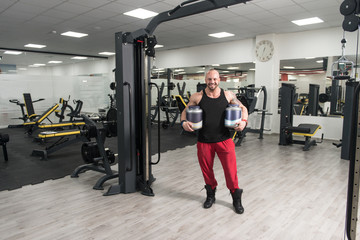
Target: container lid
[194,107]
[233,105]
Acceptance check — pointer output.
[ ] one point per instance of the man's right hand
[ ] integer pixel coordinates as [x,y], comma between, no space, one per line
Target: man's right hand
[187,126]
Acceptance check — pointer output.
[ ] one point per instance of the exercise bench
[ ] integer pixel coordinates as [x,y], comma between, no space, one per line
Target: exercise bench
[304,129]
[64,140]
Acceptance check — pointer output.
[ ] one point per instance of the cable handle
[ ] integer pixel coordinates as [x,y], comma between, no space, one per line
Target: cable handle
[158,107]
[130,117]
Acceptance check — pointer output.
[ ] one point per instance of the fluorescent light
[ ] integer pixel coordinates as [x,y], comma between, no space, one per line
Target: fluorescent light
[288,67]
[158,46]
[79,58]
[107,53]
[178,70]
[39,64]
[74,34]
[232,68]
[12,52]
[221,35]
[215,65]
[31,45]
[307,21]
[141,13]
[200,71]
[54,61]
[252,69]
[320,61]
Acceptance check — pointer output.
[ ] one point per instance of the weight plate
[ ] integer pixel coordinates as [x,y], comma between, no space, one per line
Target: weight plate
[347,7]
[350,23]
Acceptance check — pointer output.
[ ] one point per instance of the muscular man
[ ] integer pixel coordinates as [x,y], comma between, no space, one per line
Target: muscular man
[214,137]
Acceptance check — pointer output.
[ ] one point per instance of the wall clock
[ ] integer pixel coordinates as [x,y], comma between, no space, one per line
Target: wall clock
[264,50]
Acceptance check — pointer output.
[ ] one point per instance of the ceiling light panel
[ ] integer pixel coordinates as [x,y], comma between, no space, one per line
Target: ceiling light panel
[107,53]
[12,52]
[141,13]
[221,35]
[307,21]
[79,58]
[31,45]
[74,34]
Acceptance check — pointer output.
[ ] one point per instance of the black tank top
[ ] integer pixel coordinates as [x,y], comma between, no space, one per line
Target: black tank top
[213,128]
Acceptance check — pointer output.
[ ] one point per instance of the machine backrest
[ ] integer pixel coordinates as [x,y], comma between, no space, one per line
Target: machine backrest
[29,105]
[180,102]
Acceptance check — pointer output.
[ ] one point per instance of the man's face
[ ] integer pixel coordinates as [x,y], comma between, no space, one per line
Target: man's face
[212,80]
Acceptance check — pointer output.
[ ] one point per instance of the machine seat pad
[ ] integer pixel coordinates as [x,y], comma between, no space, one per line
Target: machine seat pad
[305,129]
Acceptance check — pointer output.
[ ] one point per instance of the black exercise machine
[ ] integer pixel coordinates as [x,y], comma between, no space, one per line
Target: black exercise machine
[30,112]
[167,103]
[4,138]
[133,69]
[346,143]
[249,96]
[66,107]
[354,165]
[95,155]
[287,130]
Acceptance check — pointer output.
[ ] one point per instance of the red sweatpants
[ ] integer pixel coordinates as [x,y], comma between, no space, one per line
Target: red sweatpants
[226,153]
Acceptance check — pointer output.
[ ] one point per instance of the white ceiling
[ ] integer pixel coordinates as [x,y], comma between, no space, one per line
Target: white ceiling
[42,21]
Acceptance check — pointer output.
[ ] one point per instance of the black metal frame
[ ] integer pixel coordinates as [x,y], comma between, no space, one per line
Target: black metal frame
[286,120]
[354,169]
[348,112]
[263,112]
[133,52]
[313,104]
[4,138]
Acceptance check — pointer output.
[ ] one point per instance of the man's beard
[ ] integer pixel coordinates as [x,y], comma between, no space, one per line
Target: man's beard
[212,86]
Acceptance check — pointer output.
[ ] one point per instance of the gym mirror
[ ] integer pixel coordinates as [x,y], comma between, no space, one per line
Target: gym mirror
[316,72]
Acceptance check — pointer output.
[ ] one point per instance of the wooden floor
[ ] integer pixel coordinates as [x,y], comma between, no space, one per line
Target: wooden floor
[288,194]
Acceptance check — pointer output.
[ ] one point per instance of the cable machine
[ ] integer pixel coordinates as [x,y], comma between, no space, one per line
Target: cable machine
[134,53]
[351,10]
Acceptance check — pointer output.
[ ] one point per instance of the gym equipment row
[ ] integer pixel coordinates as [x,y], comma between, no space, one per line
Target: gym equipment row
[287,130]
[37,123]
[80,133]
[249,96]
[4,138]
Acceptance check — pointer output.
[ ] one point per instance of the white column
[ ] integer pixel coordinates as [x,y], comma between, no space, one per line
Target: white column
[267,74]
